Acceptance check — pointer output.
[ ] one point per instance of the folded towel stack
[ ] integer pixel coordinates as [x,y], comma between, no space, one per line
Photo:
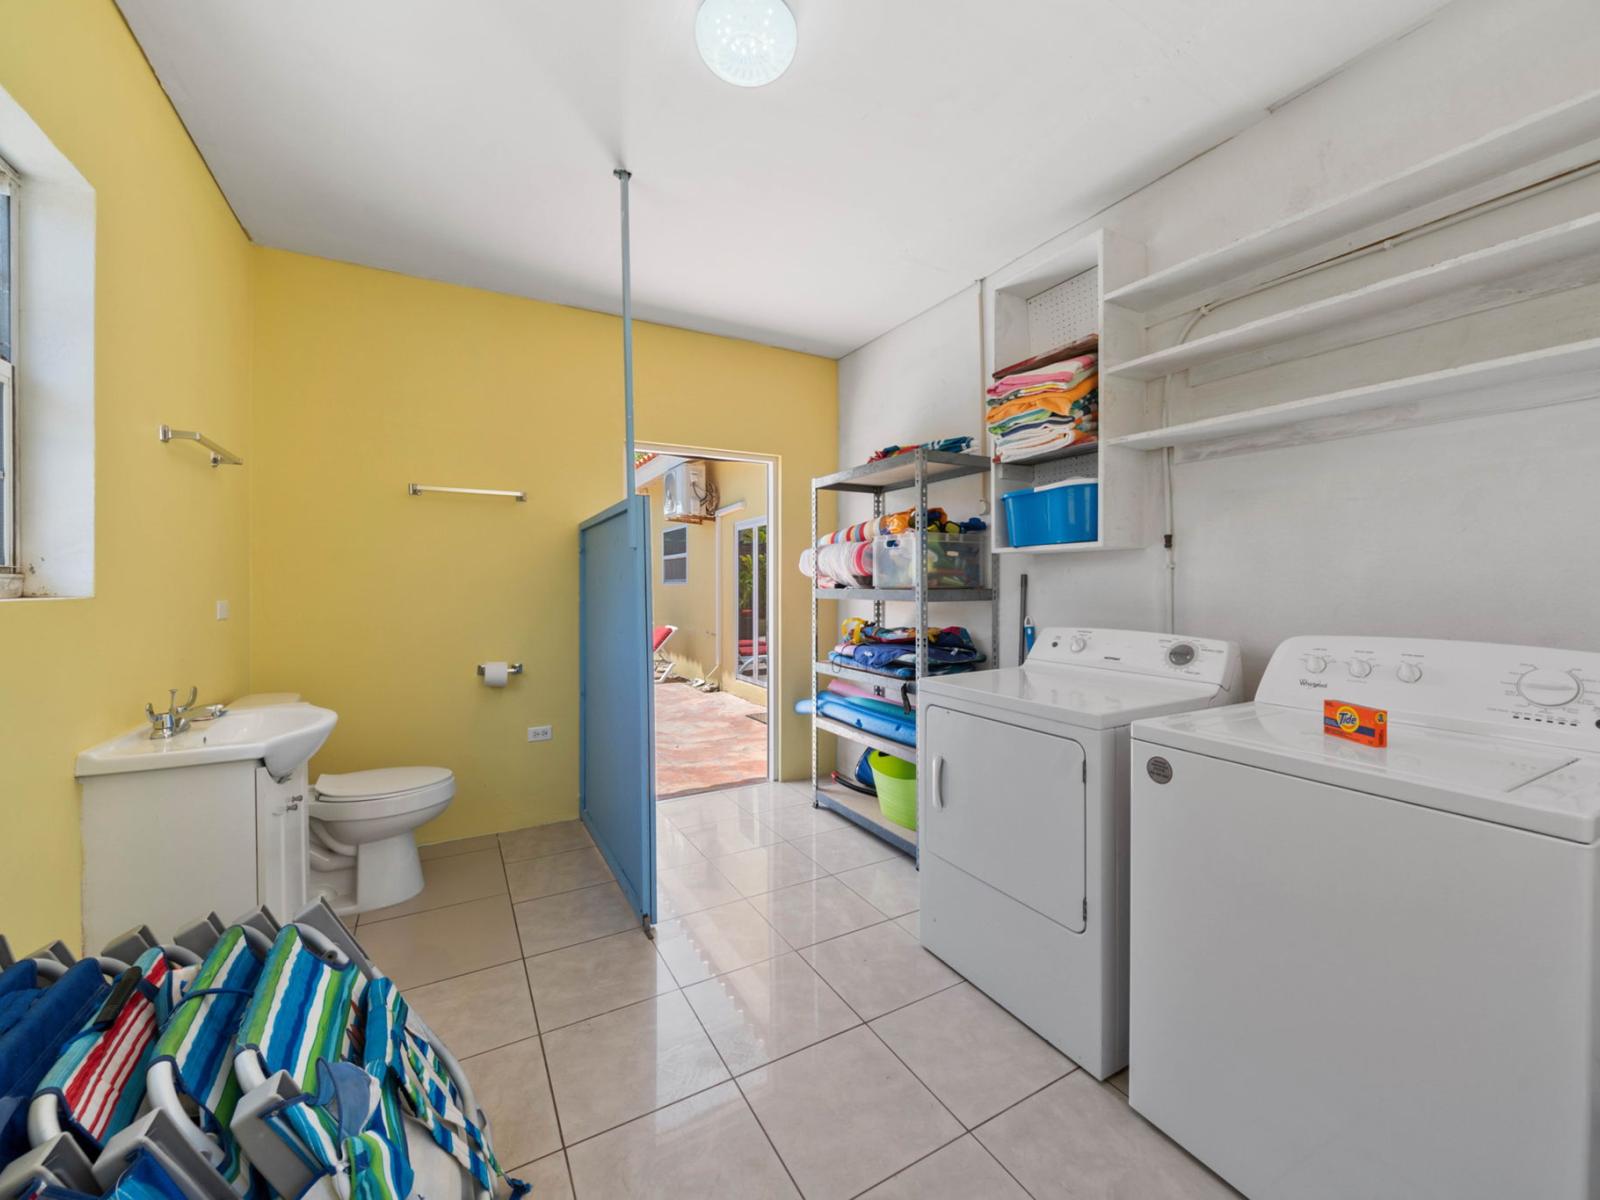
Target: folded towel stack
[1038,412]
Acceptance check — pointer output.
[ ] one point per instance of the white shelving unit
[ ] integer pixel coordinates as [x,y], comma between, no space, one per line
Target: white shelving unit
[1440,341]
[1498,385]
[1562,257]
[1539,147]
[1051,297]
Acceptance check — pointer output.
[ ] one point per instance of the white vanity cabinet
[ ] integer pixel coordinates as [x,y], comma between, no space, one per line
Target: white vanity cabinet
[177,828]
[161,848]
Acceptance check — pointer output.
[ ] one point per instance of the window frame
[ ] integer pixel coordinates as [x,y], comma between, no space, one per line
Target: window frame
[10,559]
[678,556]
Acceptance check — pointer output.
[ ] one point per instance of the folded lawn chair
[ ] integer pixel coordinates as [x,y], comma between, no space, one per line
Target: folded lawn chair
[662,664]
[314,1016]
[97,1083]
[191,1073]
[43,1003]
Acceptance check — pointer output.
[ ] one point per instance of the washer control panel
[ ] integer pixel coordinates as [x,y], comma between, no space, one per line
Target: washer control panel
[1548,695]
[1171,656]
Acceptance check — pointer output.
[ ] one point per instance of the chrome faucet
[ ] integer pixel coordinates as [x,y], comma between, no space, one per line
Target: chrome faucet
[175,720]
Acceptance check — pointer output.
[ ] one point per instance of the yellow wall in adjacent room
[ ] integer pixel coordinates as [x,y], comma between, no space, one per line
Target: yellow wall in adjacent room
[172,344]
[690,605]
[693,605]
[379,605]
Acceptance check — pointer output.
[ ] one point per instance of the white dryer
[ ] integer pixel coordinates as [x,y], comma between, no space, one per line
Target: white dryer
[1373,972]
[1023,821]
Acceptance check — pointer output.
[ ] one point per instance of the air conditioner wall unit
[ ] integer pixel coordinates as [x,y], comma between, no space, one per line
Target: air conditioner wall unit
[685,495]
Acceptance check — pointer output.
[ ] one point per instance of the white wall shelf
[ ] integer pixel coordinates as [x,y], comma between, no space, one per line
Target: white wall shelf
[1499,385]
[1514,156]
[1016,329]
[1561,257]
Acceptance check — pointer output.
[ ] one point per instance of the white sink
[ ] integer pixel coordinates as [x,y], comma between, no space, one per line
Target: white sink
[283,738]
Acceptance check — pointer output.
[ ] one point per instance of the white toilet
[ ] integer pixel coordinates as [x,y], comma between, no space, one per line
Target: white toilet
[362,846]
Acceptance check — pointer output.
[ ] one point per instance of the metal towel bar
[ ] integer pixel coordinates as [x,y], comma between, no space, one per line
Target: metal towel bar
[416,489]
[219,455]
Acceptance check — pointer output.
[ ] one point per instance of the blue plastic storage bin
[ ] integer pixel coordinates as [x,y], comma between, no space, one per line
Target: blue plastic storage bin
[1054,514]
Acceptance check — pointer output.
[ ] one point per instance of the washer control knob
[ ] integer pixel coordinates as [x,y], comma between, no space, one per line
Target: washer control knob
[1078,644]
[1549,688]
[1360,668]
[1408,672]
[1316,663]
[1181,654]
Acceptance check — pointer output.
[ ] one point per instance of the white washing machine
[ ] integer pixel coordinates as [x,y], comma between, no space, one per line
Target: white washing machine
[1363,972]
[1023,821]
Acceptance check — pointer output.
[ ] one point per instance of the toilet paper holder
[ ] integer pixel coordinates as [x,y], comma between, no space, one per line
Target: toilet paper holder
[511,668]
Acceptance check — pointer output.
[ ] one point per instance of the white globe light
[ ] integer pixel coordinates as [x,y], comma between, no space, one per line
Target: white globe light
[746,42]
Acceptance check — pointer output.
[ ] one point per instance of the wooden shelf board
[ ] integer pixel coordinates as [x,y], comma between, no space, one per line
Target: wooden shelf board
[1445,182]
[1518,381]
[1063,548]
[863,811]
[882,744]
[1563,256]
[935,595]
[900,471]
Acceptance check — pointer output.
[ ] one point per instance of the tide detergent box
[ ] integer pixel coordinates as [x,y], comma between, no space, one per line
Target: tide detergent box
[1355,722]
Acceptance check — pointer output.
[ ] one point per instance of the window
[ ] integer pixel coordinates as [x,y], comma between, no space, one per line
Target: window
[675,554]
[8,416]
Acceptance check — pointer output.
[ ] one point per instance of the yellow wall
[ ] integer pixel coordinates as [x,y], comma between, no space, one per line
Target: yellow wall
[379,605]
[338,385]
[172,343]
[693,606]
[688,605]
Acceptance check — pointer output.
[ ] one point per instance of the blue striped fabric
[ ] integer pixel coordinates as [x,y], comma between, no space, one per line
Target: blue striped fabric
[410,1067]
[199,1040]
[351,1147]
[303,1010]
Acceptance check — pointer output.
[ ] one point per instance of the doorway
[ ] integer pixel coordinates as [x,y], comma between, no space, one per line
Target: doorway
[712,595]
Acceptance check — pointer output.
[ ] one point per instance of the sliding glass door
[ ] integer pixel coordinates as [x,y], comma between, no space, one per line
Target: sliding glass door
[750,600]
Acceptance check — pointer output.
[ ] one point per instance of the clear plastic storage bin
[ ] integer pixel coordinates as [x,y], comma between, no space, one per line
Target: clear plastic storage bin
[955,560]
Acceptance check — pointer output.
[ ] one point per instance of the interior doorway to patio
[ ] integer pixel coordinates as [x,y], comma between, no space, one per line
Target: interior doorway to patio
[712,599]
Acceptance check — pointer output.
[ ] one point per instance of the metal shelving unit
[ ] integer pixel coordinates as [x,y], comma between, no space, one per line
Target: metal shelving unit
[913,471]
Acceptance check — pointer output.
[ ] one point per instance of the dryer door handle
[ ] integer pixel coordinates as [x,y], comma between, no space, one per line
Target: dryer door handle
[938,781]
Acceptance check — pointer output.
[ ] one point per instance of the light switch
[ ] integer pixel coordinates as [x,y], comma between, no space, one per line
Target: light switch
[222,610]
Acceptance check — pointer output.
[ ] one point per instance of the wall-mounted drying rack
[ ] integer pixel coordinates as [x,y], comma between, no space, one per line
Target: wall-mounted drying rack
[219,455]
[416,489]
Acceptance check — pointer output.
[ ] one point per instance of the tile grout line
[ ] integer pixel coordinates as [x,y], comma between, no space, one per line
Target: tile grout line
[733,1079]
[544,1057]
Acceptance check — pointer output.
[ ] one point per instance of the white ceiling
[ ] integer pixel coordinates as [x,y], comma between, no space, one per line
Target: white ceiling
[914,146]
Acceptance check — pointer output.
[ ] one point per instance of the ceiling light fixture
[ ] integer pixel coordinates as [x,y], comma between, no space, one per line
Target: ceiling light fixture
[748,43]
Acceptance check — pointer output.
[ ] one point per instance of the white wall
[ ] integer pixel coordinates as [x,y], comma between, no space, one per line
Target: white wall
[1477,529]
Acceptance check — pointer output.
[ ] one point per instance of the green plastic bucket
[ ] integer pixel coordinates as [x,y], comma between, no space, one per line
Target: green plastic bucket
[896,781]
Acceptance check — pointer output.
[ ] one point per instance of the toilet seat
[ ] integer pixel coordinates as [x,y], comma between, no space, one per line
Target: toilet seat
[382,792]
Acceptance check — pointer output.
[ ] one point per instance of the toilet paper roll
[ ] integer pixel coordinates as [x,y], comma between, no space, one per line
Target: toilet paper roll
[495,674]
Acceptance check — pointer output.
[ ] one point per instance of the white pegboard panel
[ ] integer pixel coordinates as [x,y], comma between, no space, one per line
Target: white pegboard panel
[1066,312]
[1083,466]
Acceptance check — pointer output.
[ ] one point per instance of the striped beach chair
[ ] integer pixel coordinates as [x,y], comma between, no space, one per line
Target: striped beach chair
[306,1020]
[410,1067]
[97,1084]
[191,1072]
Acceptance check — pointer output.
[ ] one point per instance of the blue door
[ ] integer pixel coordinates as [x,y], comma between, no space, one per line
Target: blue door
[617,757]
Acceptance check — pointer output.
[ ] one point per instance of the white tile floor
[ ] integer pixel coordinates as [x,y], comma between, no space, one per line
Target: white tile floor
[784,1035]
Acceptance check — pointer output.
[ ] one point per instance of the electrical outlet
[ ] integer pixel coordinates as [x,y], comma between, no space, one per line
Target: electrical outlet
[539,733]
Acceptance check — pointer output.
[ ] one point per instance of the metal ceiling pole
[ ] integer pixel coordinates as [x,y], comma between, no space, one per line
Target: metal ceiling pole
[623,175]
